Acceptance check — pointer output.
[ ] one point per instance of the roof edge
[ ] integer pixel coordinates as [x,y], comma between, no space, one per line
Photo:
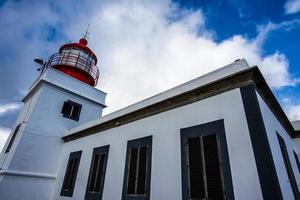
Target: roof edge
[241,78]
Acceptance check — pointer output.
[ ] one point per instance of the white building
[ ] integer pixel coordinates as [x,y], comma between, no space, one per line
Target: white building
[220,136]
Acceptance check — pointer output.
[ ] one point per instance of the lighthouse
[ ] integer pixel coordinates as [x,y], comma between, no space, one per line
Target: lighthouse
[63,97]
[76,60]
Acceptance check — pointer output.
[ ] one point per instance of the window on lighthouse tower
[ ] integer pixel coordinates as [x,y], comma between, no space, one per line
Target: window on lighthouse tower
[71,110]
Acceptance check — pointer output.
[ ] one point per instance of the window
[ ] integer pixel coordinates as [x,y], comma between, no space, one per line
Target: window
[205,178]
[288,166]
[12,138]
[205,163]
[71,110]
[138,169]
[71,174]
[97,173]
[297,160]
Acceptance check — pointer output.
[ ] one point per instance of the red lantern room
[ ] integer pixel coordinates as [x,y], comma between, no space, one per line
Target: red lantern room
[76,60]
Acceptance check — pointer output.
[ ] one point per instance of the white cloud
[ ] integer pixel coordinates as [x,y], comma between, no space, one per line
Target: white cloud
[294,112]
[292,109]
[8,108]
[145,48]
[292,6]
[4,133]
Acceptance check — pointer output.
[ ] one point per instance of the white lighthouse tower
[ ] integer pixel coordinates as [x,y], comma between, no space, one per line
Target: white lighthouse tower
[61,98]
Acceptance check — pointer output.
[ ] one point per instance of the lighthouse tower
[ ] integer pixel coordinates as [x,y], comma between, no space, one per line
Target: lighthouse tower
[62,98]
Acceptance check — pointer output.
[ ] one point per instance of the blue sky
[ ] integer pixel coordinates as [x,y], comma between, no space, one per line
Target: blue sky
[231,17]
[154,44]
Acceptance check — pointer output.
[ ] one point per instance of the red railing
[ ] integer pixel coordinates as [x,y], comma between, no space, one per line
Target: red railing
[74,60]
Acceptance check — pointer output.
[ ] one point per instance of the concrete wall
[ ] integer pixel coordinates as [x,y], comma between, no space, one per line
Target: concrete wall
[31,164]
[272,126]
[166,160]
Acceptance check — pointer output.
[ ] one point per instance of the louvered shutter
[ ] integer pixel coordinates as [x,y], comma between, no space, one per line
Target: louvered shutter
[195,168]
[71,174]
[141,182]
[212,168]
[132,171]
[66,108]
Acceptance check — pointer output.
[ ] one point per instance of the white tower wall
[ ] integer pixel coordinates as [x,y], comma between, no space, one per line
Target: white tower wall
[32,159]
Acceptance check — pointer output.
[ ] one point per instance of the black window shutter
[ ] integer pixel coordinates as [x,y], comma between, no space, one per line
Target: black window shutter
[71,110]
[71,174]
[141,182]
[66,108]
[205,167]
[132,171]
[95,169]
[212,167]
[137,174]
[75,113]
[196,181]
[96,178]
[100,172]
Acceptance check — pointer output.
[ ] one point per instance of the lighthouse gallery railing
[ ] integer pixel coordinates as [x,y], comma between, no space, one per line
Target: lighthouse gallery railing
[74,60]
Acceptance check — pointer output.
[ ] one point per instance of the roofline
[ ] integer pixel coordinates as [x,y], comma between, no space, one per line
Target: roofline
[236,80]
[42,81]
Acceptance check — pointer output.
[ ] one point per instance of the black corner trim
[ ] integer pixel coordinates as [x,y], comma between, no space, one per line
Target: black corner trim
[12,139]
[97,195]
[132,144]
[214,127]
[264,161]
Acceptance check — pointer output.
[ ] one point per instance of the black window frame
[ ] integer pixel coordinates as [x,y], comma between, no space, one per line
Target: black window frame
[73,156]
[13,137]
[71,103]
[288,166]
[137,143]
[97,195]
[297,160]
[211,128]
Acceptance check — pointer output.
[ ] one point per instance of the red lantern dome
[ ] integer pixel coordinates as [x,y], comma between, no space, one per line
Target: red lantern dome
[76,60]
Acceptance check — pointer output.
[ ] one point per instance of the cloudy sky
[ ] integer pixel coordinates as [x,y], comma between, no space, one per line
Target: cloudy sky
[145,47]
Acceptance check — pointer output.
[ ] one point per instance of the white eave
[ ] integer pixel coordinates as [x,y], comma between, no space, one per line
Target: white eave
[296,125]
[66,82]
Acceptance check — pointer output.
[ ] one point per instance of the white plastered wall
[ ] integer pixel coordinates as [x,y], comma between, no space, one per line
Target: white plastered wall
[31,164]
[272,126]
[166,157]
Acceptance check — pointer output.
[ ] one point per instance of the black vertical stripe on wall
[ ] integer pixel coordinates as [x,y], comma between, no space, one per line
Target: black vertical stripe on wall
[264,161]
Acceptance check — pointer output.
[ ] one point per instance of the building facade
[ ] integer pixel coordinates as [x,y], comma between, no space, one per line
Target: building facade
[220,136]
